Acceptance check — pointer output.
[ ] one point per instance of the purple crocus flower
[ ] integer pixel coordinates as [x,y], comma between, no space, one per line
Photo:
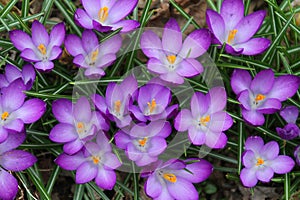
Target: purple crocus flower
[297,155]
[78,124]
[261,161]
[15,111]
[174,179]
[116,101]
[231,28]
[263,94]
[96,161]
[41,48]
[27,74]
[291,130]
[206,120]
[12,160]
[153,101]
[171,59]
[91,55]
[106,15]
[144,143]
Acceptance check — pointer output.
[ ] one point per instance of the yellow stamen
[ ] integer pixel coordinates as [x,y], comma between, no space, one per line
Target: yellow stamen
[260,161]
[152,105]
[117,106]
[259,97]
[143,142]
[170,177]
[103,14]
[95,159]
[94,55]
[231,35]
[42,49]
[171,59]
[4,115]
[80,127]
[204,120]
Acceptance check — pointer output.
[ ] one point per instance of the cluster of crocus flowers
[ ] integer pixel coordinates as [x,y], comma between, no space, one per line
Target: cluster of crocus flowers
[91,55]
[291,130]
[263,94]
[106,15]
[41,49]
[172,59]
[231,28]
[261,161]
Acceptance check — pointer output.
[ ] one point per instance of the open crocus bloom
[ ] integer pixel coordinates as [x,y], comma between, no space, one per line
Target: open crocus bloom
[106,15]
[261,161]
[171,58]
[263,94]
[91,55]
[174,179]
[206,120]
[235,30]
[291,130]
[41,48]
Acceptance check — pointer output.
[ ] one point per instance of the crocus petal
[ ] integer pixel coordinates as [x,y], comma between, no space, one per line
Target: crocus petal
[55,53]
[232,11]
[284,87]
[80,61]
[216,140]
[39,34]
[29,55]
[195,44]
[112,45]
[73,45]
[216,25]
[240,80]
[13,96]
[12,73]
[82,110]
[289,132]
[73,147]
[133,153]
[189,67]
[254,46]
[44,66]
[63,133]
[106,60]
[62,110]
[8,185]
[28,75]
[12,141]
[233,50]
[3,135]
[3,81]
[99,102]
[183,120]
[126,6]
[129,84]
[253,117]
[137,113]
[220,121]
[21,40]
[270,106]
[83,19]
[172,33]
[158,145]
[290,114]
[245,100]
[146,159]
[126,25]
[248,26]
[17,160]
[89,41]
[196,136]
[217,98]
[57,35]
[164,195]
[153,186]
[106,179]
[151,44]
[265,174]
[31,111]
[248,177]
[182,188]
[270,150]
[15,125]
[156,66]
[92,8]
[199,104]
[111,161]
[101,28]
[248,159]
[254,143]
[263,82]
[282,164]
[86,172]
[70,162]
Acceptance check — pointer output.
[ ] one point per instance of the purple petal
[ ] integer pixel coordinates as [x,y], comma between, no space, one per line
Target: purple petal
[17,160]
[182,188]
[165,131]
[183,120]
[248,159]
[265,174]
[270,150]
[15,125]
[270,106]
[133,153]
[57,34]
[233,50]
[3,81]
[289,132]
[28,75]
[199,104]
[89,41]
[3,135]
[13,96]
[232,11]
[63,133]
[106,179]
[55,53]
[158,145]
[44,66]
[153,186]
[216,25]
[73,147]
[112,45]
[62,110]
[220,121]
[21,40]
[129,84]
[126,25]
[172,33]
[101,28]
[106,60]
[189,67]
[92,8]
[83,19]
[254,46]
[253,117]
[80,61]
[156,66]
[82,110]
[216,140]
[195,44]
[240,81]
[282,164]
[68,162]
[217,98]
[245,100]
[164,195]
[31,111]
[126,6]
[137,113]
[254,143]
[8,185]
[248,177]
[86,172]
[111,161]
[196,136]
[290,114]
[151,44]
[284,87]
[263,82]
[248,26]
[12,141]
[39,34]
[146,159]
[73,45]
[99,102]
[12,73]
[30,55]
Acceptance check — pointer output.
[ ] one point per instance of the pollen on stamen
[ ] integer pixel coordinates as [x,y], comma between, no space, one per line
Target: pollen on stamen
[117,106]
[204,120]
[80,127]
[171,59]
[170,177]
[143,142]
[103,14]
[231,35]
[260,161]
[4,115]
[259,97]
[151,106]
[96,159]
[42,49]
[94,55]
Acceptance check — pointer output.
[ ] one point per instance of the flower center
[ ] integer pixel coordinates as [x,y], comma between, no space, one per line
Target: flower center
[171,59]
[94,55]
[152,106]
[143,142]
[204,120]
[103,14]
[4,115]
[170,177]
[260,161]
[42,49]
[231,35]
[96,159]
[259,97]
[80,127]
[117,106]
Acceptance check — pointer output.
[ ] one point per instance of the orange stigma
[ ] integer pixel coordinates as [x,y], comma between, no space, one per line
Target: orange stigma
[204,120]
[80,127]
[170,177]
[260,161]
[94,55]
[117,106]
[42,49]
[143,142]
[259,97]
[95,159]
[4,115]
[231,35]
[171,59]
[103,14]
[152,106]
